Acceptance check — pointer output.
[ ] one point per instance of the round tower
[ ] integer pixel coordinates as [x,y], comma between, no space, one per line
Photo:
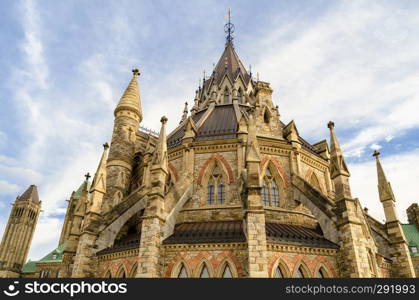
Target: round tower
[128,117]
[19,231]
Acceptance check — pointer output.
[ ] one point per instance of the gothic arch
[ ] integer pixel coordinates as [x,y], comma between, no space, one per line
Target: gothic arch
[177,268]
[325,271]
[301,265]
[133,272]
[221,267]
[266,114]
[314,180]
[172,170]
[108,274]
[122,272]
[280,263]
[210,162]
[276,166]
[204,263]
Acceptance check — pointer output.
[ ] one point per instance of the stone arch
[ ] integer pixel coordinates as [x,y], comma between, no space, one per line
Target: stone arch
[221,267]
[266,114]
[108,274]
[204,263]
[108,234]
[178,266]
[280,263]
[133,271]
[222,162]
[122,272]
[314,180]
[326,273]
[303,266]
[321,261]
[278,169]
[172,170]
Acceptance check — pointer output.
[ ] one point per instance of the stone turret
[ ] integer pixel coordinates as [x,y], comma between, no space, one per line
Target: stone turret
[128,116]
[19,231]
[402,264]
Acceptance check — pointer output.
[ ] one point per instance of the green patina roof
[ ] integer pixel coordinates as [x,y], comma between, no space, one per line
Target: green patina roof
[412,236]
[77,193]
[55,256]
[29,267]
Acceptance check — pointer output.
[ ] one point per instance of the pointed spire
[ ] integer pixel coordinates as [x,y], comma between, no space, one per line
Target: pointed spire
[30,195]
[99,181]
[130,100]
[384,188]
[185,113]
[337,161]
[194,109]
[160,159]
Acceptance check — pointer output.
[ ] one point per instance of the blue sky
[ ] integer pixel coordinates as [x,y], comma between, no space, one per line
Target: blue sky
[64,65]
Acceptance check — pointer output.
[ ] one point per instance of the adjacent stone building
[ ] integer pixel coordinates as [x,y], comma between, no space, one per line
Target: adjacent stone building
[232,191]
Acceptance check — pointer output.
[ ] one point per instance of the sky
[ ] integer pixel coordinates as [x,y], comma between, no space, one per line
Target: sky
[65,64]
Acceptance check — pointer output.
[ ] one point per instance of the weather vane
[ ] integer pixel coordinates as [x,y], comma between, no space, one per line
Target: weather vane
[229,28]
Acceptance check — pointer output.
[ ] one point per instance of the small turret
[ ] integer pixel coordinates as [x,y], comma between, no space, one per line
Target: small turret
[185,113]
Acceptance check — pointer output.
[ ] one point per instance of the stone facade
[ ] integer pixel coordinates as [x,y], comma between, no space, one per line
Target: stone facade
[230,192]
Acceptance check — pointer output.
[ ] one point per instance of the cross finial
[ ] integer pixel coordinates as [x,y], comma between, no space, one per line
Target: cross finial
[376,153]
[87,176]
[136,72]
[330,125]
[229,28]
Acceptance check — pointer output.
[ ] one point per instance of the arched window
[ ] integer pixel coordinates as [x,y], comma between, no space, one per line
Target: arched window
[266,116]
[300,273]
[265,193]
[321,273]
[211,194]
[134,271]
[226,96]
[278,273]
[227,272]
[274,194]
[270,190]
[221,191]
[182,272]
[204,272]
[216,187]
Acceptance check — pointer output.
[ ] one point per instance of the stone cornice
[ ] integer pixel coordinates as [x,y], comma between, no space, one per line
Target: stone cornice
[301,249]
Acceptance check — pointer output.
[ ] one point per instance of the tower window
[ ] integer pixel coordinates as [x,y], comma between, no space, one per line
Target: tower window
[266,117]
[226,96]
[211,194]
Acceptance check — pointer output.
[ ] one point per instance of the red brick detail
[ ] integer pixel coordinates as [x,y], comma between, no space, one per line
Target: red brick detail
[114,265]
[174,172]
[292,262]
[265,160]
[193,261]
[223,161]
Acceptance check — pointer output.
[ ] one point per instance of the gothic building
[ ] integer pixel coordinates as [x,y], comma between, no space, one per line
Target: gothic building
[232,191]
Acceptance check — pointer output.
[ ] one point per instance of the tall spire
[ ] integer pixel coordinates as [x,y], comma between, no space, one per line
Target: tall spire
[98,188]
[338,164]
[160,159]
[185,113]
[384,188]
[130,100]
[30,195]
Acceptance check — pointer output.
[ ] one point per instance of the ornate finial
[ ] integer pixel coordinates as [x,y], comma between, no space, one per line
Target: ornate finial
[376,154]
[229,28]
[87,176]
[136,72]
[250,71]
[186,107]
[105,146]
[163,120]
[366,210]
[330,125]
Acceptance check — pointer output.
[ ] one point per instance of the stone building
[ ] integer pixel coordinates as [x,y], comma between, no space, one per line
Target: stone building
[232,191]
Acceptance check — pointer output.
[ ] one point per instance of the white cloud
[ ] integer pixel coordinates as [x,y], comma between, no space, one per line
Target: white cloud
[355,65]
[46,237]
[389,138]
[398,170]
[375,146]
[7,188]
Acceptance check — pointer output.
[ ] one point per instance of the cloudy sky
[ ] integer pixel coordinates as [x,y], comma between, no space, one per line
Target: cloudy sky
[64,65]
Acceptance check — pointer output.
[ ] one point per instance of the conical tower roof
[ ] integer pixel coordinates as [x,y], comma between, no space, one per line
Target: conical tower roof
[30,195]
[130,100]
